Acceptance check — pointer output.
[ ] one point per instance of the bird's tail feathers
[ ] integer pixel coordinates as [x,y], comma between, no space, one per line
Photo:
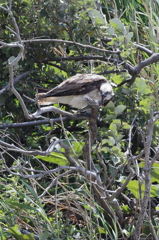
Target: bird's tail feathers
[42,100]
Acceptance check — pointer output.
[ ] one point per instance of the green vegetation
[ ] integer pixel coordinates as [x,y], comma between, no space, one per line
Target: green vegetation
[61,176]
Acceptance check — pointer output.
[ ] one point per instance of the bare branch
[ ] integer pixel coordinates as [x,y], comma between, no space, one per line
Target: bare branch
[33,123]
[144,49]
[121,189]
[134,71]
[59,111]
[155,237]
[16,80]
[70,42]
[147,178]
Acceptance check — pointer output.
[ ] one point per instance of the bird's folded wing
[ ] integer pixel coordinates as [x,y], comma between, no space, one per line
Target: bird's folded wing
[77,85]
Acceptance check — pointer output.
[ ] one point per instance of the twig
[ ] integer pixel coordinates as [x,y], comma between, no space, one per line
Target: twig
[144,49]
[70,42]
[15,80]
[147,169]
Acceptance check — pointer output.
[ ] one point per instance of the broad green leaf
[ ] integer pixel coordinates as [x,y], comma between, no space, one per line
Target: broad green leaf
[130,35]
[105,149]
[126,125]
[77,146]
[117,24]
[11,59]
[116,160]
[104,141]
[43,236]
[133,186]
[119,137]
[141,86]
[113,126]
[96,17]
[111,141]
[117,122]
[154,171]
[111,32]
[126,90]
[117,79]
[119,109]
[54,157]
[110,105]
[126,209]
[112,170]
[145,104]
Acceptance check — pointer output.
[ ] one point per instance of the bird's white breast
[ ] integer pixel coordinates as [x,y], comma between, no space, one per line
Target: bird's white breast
[79,101]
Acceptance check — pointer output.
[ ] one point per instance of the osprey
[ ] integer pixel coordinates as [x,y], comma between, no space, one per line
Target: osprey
[74,90]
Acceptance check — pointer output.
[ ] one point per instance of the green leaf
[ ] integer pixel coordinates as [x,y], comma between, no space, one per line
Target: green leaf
[117,24]
[111,141]
[2,237]
[113,126]
[110,105]
[96,17]
[141,86]
[10,60]
[37,203]
[3,2]
[145,104]
[126,209]
[126,125]
[119,109]
[78,146]
[32,191]
[19,236]
[117,79]
[117,122]
[105,149]
[133,186]
[100,230]
[125,91]
[86,206]
[43,236]
[115,160]
[130,35]
[154,171]
[20,205]
[54,157]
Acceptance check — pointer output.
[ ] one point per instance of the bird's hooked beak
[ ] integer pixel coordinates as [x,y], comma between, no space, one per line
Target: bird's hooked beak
[106,97]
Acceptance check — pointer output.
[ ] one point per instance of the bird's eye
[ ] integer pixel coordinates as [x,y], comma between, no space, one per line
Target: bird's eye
[105,93]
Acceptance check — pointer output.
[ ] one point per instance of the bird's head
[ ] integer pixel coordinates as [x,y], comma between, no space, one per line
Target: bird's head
[106,92]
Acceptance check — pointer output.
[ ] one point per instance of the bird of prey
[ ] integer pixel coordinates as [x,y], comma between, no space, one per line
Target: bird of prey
[76,89]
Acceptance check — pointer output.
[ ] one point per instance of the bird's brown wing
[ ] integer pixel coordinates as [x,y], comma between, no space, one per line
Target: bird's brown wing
[77,85]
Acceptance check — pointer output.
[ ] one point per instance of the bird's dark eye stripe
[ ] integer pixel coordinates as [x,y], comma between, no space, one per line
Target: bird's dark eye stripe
[105,92]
